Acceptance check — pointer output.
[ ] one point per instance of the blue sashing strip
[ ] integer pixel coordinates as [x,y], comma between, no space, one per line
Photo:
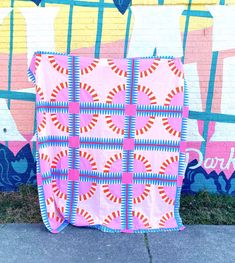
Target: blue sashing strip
[74,127]
[129,133]
[102,108]
[49,53]
[52,107]
[157,145]
[112,177]
[124,215]
[43,207]
[47,141]
[182,164]
[110,230]
[159,111]
[129,192]
[41,197]
[109,109]
[110,143]
[155,179]
[100,143]
[31,76]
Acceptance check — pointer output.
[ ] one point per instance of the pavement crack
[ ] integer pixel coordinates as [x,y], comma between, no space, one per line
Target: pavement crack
[2,226]
[146,241]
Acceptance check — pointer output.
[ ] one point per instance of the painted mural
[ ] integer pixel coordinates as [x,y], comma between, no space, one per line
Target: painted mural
[201,32]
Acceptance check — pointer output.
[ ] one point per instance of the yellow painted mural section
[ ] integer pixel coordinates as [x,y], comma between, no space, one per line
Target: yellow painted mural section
[180,2]
[85,24]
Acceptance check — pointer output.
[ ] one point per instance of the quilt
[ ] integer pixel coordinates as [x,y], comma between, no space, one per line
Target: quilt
[110,141]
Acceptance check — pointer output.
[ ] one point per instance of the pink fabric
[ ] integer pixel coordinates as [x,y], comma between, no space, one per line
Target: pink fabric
[74,141]
[110,151]
[127,178]
[185,112]
[74,107]
[128,144]
[73,175]
[130,110]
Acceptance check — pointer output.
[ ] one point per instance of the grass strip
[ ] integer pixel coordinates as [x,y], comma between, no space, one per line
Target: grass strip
[201,208]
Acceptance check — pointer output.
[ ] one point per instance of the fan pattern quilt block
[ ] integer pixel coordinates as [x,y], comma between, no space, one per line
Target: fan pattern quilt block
[110,141]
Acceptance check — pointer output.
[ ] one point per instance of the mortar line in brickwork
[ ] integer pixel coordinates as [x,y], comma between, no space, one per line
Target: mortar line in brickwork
[186,29]
[70,21]
[128,24]
[10,54]
[99,29]
[209,98]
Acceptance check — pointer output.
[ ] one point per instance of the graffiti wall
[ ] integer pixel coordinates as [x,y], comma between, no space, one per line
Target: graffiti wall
[199,31]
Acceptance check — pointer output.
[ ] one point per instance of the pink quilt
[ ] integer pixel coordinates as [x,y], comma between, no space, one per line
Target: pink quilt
[110,141]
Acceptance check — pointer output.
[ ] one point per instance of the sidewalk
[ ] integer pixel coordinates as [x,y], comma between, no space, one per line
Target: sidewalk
[33,243]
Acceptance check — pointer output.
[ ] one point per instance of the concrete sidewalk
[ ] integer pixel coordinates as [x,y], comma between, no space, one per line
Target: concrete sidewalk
[33,243]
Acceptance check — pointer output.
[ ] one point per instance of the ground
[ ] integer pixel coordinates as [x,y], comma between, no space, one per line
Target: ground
[196,244]
[202,208]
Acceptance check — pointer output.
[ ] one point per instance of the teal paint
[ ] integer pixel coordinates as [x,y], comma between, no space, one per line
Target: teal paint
[128,24]
[186,29]
[205,116]
[99,29]
[232,187]
[222,184]
[43,4]
[82,3]
[34,131]
[210,94]
[201,183]
[70,22]
[155,52]
[11,43]
[209,99]
[20,166]
[197,13]
[16,95]
[209,116]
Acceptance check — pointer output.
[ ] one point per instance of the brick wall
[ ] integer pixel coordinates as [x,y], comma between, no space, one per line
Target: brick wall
[202,34]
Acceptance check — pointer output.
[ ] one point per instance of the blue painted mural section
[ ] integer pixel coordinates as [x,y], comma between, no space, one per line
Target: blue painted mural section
[122,5]
[37,2]
[21,169]
[16,170]
[198,180]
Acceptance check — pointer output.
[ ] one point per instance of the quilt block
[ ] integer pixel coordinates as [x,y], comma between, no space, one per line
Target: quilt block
[110,141]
